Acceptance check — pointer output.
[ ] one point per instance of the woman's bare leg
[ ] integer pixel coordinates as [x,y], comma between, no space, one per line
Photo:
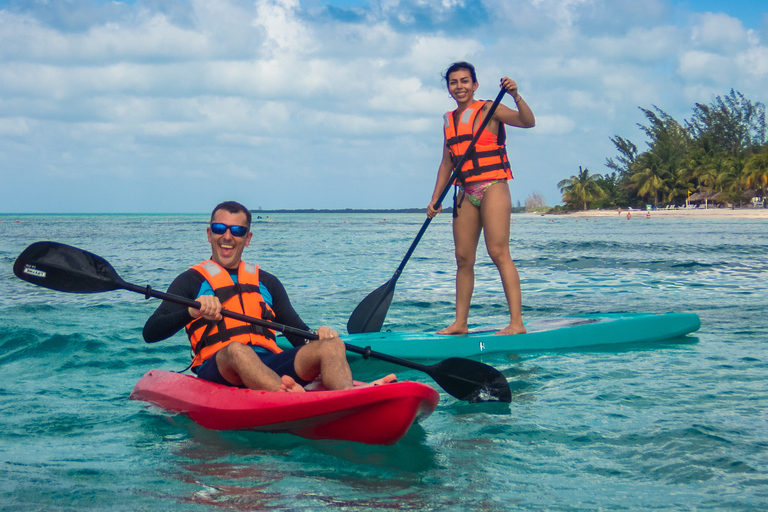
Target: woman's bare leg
[466,234]
[495,212]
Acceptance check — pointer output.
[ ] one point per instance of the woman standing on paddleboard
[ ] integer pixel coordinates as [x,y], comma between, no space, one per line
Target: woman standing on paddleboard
[483,202]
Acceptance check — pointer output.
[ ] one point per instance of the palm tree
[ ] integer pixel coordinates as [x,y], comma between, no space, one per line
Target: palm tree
[581,188]
[650,176]
[756,171]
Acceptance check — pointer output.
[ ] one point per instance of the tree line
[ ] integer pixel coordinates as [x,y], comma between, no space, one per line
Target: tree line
[720,154]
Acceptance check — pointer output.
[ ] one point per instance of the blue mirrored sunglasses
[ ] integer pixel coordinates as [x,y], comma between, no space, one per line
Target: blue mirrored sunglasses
[219,229]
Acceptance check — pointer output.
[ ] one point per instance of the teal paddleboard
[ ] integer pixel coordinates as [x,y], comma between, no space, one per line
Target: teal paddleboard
[574,331]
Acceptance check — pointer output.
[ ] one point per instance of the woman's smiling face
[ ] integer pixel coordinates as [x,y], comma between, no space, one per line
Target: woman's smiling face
[460,85]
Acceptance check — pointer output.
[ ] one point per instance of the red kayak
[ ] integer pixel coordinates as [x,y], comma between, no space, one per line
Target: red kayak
[366,414]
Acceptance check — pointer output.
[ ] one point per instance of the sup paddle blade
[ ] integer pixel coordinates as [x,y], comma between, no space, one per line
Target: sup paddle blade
[470,380]
[66,269]
[369,315]
[464,379]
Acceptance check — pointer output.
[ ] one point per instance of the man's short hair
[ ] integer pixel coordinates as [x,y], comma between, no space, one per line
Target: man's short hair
[233,207]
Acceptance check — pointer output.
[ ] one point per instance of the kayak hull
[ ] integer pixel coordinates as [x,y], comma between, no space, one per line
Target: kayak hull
[568,332]
[370,414]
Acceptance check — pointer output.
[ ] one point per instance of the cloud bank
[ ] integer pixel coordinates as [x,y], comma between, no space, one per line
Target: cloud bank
[173,106]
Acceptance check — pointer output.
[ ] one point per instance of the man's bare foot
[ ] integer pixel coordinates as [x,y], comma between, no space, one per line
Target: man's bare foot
[385,380]
[513,328]
[290,386]
[455,328]
[389,379]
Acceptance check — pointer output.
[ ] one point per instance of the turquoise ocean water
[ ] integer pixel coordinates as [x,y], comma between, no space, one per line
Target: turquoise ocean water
[677,425]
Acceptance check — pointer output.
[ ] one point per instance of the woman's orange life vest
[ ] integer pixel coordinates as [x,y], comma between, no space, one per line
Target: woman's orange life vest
[489,159]
[207,337]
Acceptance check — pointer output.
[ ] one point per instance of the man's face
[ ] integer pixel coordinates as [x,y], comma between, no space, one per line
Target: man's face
[227,249]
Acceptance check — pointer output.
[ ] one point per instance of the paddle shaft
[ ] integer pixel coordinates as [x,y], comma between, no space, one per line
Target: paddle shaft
[148,292]
[69,269]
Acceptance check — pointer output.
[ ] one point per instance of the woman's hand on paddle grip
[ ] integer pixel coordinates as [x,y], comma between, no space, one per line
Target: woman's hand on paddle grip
[510,86]
[431,212]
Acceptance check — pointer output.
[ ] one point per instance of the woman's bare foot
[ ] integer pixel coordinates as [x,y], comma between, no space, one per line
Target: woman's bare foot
[513,328]
[455,328]
[290,386]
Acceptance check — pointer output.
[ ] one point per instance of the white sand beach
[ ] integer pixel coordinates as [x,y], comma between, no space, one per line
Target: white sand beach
[693,213]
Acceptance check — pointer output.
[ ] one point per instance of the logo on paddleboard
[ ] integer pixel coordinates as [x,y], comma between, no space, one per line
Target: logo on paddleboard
[31,270]
[482,346]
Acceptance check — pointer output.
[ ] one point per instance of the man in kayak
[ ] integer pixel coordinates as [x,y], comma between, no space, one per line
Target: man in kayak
[237,353]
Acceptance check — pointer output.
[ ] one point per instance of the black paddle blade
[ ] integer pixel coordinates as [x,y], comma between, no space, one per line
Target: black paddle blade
[471,381]
[369,315]
[66,269]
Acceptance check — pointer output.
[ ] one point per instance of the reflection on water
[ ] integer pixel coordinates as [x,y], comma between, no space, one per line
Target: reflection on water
[264,471]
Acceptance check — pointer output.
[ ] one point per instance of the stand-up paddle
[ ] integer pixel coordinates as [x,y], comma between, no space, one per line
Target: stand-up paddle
[69,269]
[369,315]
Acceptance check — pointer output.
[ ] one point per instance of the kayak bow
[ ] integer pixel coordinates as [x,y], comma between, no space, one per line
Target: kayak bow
[366,414]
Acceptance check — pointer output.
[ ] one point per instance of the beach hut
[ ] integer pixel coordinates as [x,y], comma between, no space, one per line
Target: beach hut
[700,196]
[753,197]
[718,198]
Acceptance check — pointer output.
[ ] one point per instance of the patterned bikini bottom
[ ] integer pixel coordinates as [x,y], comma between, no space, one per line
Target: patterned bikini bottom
[476,190]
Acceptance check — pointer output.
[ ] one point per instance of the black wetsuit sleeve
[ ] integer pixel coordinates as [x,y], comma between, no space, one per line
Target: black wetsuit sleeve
[169,318]
[281,305]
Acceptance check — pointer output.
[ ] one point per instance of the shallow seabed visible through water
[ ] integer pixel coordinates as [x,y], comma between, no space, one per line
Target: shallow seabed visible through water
[673,425]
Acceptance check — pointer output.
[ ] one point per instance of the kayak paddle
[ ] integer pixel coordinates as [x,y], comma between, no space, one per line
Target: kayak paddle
[69,269]
[369,315]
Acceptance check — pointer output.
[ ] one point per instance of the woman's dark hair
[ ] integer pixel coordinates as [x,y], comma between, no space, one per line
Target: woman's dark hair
[460,65]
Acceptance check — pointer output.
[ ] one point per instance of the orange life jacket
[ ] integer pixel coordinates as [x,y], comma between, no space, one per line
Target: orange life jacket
[207,337]
[489,159]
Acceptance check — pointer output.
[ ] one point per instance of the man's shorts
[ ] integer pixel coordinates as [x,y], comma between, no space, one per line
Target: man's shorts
[281,364]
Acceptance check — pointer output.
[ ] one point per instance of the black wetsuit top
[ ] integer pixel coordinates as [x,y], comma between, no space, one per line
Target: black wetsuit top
[170,318]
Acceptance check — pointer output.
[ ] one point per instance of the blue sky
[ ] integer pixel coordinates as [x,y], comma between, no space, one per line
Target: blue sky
[173,106]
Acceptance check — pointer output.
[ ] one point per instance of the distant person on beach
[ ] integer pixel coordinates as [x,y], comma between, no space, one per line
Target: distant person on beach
[483,183]
[236,353]
[629,215]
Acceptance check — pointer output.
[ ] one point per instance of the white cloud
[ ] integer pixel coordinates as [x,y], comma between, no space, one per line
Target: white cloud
[554,125]
[641,44]
[699,65]
[719,32]
[14,127]
[754,63]
[440,50]
[564,12]
[284,31]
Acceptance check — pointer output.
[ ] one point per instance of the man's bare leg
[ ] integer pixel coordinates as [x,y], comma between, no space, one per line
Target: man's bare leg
[240,366]
[328,359]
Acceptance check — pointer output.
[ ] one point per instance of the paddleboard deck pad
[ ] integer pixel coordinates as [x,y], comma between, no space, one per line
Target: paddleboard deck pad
[366,414]
[567,332]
